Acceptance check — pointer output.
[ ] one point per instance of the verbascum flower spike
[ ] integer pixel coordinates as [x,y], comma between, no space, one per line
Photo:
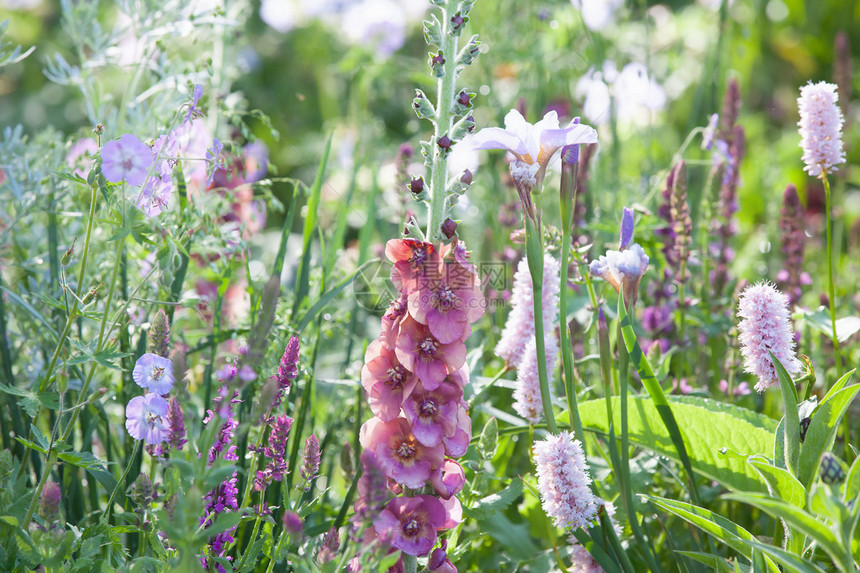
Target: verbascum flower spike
[820,128]
[563,481]
[765,328]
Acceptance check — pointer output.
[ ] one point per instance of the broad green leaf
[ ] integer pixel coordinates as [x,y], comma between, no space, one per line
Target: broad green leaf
[794,517]
[780,482]
[820,320]
[709,427]
[725,530]
[851,486]
[839,385]
[792,420]
[822,432]
[497,501]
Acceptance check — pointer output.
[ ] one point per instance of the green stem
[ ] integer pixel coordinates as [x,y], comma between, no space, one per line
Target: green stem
[445,93]
[831,290]
[410,563]
[534,254]
[51,459]
[567,200]
[254,533]
[122,479]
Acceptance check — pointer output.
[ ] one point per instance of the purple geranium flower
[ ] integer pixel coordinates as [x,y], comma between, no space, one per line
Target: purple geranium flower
[193,111]
[129,159]
[153,373]
[145,417]
[212,155]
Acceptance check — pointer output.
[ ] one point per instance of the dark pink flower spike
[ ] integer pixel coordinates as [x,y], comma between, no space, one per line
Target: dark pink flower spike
[425,356]
[386,381]
[402,457]
[412,523]
[449,479]
[433,413]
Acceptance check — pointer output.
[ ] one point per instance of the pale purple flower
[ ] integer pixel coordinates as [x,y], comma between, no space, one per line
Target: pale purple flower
[622,269]
[129,159]
[742,389]
[154,373]
[527,400]
[403,458]
[275,451]
[145,418]
[533,145]
[155,195]
[520,325]
[765,328]
[627,227]
[412,523]
[193,111]
[563,481]
[212,163]
[221,499]
[820,128]
[710,131]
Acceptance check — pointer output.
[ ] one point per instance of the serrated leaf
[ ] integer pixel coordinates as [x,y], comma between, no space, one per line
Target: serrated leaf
[30,400]
[709,426]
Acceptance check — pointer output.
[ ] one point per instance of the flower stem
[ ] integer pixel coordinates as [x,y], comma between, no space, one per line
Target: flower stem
[831,291]
[410,563]
[121,480]
[567,200]
[445,93]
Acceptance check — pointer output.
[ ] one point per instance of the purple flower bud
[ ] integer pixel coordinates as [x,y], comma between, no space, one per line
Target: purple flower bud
[49,503]
[417,185]
[437,60]
[444,143]
[466,177]
[464,99]
[449,228]
[159,335]
[142,491]
[292,522]
[457,22]
[627,225]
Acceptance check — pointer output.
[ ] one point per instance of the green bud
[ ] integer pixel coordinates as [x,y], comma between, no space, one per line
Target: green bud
[489,440]
[832,470]
[463,127]
[433,31]
[470,51]
[68,255]
[92,294]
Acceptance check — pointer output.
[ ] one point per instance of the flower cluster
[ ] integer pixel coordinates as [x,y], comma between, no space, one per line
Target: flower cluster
[414,376]
[563,481]
[765,328]
[517,345]
[792,277]
[820,128]
[275,452]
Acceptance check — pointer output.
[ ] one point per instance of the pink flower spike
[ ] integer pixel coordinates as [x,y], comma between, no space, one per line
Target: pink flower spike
[129,159]
[411,523]
[820,128]
[765,327]
[425,356]
[386,381]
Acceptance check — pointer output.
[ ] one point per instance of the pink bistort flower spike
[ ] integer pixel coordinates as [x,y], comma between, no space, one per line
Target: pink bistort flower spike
[527,400]
[520,325]
[146,417]
[765,327]
[820,128]
[412,523]
[563,481]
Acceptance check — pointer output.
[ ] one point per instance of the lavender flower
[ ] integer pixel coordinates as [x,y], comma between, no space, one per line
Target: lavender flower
[793,237]
[145,418]
[154,373]
[329,547]
[193,110]
[311,460]
[287,370]
[175,425]
[225,433]
[275,451]
[765,328]
[222,498]
[520,326]
[212,155]
[563,481]
[677,234]
[129,159]
[820,128]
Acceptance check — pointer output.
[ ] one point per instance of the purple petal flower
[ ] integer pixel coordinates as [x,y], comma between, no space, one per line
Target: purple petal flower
[412,523]
[311,460]
[129,159]
[193,111]
[627,226]
[622,269]
[145,417]
[212,155]
[154,373]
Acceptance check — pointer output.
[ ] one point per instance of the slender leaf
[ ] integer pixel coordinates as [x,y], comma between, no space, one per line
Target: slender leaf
[327,296]
[792,420]
[822,432]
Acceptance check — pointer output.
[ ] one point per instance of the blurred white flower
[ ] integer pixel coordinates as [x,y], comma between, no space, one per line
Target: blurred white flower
[597,14]
[636,94]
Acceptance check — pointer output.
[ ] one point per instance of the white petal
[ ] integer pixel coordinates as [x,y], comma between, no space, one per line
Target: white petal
[498,138]
[577,133]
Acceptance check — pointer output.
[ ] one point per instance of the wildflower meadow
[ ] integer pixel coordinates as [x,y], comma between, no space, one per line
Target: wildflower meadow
[429,285]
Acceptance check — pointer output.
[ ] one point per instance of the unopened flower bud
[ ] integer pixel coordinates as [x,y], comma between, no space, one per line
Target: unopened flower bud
[99,129]
[91,294]
[311,459]
[449,228]
[422,106]
[832,472]
[437,64]
[417,185]
[444,143]
[464,99]
[292,522]
[49,503]
[457,23]
[466,178]
[159,335]
[470,51]
[142,491]
[68,254]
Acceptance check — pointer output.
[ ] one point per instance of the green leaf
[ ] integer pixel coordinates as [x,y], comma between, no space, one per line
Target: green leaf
[822,432]
[713,561]
[326,297]
[709,426]
[820,320]
[839,385]
[31,400]
[794,517]
[780,482]
[29,308]
[497,501]
[851,487]
[792,420]
[649,381]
